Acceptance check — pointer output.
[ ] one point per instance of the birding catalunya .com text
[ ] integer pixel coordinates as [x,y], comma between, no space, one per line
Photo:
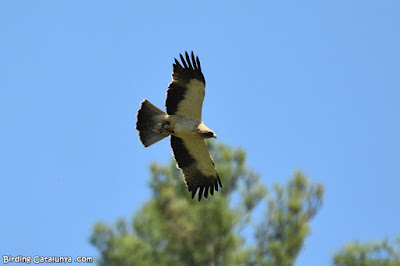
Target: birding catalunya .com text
[45,259]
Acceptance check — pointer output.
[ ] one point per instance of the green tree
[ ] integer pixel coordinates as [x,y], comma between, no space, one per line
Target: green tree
[281,236]
[173,229]
[380,253]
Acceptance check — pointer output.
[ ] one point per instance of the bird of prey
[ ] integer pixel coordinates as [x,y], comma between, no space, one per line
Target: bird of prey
[183,123]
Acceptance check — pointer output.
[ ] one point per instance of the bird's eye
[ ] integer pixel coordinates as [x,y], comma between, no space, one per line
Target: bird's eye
[208,134]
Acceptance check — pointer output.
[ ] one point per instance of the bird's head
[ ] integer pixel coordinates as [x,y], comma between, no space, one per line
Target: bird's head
[206,132]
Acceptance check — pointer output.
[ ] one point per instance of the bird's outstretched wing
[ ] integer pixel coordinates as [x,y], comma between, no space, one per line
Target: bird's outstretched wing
[197,166]
[186,92]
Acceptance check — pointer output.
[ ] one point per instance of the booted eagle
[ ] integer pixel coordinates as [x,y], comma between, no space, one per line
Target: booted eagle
[182,122]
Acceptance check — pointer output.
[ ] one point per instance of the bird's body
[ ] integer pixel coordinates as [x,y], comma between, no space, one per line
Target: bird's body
[183,123]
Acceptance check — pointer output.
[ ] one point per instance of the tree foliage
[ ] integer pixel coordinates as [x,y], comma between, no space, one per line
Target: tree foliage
[173,229]
[281,236]
[380,253]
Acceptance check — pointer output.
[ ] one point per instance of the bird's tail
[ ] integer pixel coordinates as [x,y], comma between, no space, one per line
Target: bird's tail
[149,123]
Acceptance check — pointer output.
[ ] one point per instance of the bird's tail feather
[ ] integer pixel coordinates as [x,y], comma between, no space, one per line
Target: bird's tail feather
[148,123]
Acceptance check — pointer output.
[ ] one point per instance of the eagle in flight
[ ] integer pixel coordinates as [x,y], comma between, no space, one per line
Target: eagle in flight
[183,123]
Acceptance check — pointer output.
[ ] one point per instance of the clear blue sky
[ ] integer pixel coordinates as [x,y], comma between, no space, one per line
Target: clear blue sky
[309,85]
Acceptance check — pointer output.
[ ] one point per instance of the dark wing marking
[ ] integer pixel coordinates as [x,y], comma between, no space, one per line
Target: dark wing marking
[197,166]
[185,93]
